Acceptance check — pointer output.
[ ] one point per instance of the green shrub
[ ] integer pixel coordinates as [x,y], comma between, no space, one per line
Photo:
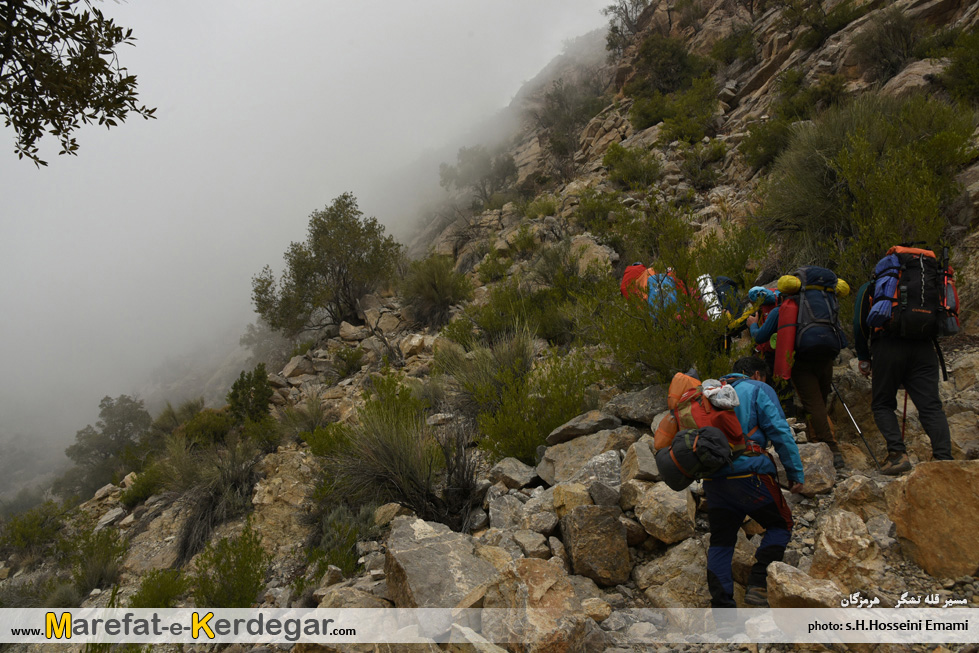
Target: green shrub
[160,588]
[887,44]
[305,418]
[651,110]
[700,163]
[566,108]
[494,267]
[207,427]
[231,573]
[327,439]
[664,65]
[739,44]
[542,206]
[524,243]
[147,483]
[632,168]
[961,78]
[476,378]
[875,172]
[597,211]
[508,305]
[765,141]
[532,405]
[348,360]
[390,455]
[340,530]
[222,491]
[61,595]
[821,23]
[432,287]
[796,101]
[265,433]
[97,560]
[34,531]
[693,112]
[250,395]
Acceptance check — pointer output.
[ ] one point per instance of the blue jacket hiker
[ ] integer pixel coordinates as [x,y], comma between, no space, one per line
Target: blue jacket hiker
[748,487]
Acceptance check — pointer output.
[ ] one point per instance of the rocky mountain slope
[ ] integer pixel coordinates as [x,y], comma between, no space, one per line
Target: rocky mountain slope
[591,532]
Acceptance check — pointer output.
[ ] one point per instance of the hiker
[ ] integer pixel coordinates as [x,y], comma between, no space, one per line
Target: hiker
[902,352]
[767,300]
[748,487]
[809,340]
[660,290]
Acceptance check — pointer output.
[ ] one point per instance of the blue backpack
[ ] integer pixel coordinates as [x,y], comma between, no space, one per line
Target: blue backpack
[818,330]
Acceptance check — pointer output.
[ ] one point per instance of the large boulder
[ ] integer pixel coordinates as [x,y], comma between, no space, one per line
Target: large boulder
[846,553]
[934,511]
[591,422]
[604,469]
[964,429]
[817,464]
[916,77]
[543,614]
[690,553]
[640,463]
[429,566]
[562,461]
[642,406]
[506,512]
[667,515]
[596,541]
[512,473]
[860,495]
[568,496]
[679,579]
[789,587]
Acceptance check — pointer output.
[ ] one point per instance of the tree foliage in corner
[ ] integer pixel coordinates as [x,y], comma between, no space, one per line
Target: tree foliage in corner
[480,172]
[59,69]
[343,257]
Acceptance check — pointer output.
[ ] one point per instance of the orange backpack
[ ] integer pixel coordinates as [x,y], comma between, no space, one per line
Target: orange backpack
[690,409]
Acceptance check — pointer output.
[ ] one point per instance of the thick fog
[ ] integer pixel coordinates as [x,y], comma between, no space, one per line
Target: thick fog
[141,249]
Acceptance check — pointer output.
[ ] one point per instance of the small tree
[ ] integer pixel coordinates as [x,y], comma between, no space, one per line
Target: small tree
[250,395]
[344,257]
[479,172]
[623,24]
[59,69]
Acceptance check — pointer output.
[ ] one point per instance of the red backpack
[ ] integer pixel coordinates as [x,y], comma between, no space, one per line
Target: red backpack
[690,409]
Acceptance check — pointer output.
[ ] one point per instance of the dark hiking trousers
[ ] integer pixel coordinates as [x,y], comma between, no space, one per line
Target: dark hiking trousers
[813,380]
[728,501]
[913,363]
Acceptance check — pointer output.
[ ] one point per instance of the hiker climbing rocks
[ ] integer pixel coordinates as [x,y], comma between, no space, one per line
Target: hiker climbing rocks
[661,290]
[766,301]
[748,487]
[901,313]
[809,340]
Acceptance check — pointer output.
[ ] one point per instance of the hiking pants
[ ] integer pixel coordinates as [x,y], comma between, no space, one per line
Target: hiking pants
[915,364]
[729,500]
[813,380]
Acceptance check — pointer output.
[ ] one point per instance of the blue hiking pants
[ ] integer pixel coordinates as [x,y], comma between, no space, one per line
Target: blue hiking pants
[729,500]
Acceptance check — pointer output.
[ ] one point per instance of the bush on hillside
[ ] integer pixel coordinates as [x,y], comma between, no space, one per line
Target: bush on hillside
[664,65]
[34,531]
[494,267]
[566,108]
[305,418]
[821,24]
[207,427]
[887,44]
[961,78]
[738,45]
[250,395]
[432,287]
[231,573]
[148,482]
[511,304]
[875,172]
[633,168]
[531,405]
[326,439]
[700,163]
[160,588]
[97,559]
[347,361]
[541,207]
[692,114]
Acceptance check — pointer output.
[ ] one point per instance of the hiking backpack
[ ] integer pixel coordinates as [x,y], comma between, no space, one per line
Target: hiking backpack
[914,295]
[817,321]
[693,453]
[690,409]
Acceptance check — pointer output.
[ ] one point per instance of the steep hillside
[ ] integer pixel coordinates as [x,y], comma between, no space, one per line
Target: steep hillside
[480,434]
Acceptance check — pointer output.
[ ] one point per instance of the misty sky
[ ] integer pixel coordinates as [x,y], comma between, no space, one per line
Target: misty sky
[144,245]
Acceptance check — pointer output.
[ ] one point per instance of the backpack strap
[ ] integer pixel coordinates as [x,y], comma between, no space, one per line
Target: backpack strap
[941,359]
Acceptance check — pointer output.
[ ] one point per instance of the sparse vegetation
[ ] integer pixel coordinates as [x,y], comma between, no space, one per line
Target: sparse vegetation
[348,361]
[250,395]
[566,109]
[961,78]
[231,573]
[631,168]
[432,287]
[887,44]
[160,588]
[494,266]
[33,532]
[482,173]
[878,170]
[147,483]
[738,45]
[207,427]
[97,559]
[542,206]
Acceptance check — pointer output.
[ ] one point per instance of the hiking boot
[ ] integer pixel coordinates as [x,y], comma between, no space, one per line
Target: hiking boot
[896,463]
[756,596]
[838,460]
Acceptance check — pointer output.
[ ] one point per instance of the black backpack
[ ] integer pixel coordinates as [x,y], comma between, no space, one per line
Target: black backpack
[914,296]
[694,453]
[818,330]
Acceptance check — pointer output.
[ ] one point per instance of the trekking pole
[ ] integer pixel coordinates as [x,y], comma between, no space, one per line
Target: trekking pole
[904,417]
[855,425]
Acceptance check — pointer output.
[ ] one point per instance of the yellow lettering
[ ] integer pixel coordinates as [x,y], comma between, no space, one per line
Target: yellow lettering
[198,624]
[57,628]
